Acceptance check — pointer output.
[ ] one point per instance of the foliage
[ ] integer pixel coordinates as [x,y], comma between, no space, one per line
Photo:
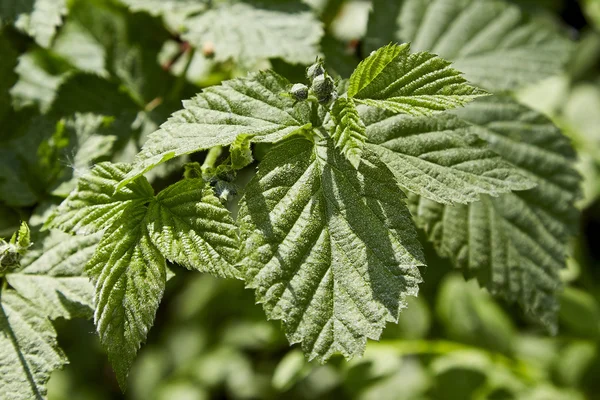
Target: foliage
[322,174]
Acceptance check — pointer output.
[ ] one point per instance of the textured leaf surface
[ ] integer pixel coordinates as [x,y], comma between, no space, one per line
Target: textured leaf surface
[252,105]
[349,130]
[439,158]
[418,84]
[53,280]
[329,249]
[130,276]
[184,223]
[514,244]
[494,43]
[248,32]
[95,204]
[191,227]
[37,18]
[28,349]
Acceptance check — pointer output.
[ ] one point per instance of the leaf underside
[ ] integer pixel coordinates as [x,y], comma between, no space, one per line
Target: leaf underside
[330,250]
[516,244]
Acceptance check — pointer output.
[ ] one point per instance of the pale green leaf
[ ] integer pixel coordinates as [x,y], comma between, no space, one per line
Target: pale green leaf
[439,157]
[329,249]
[190,227]
[349,130]
[87,143]
[130,276]
[28,349]
[40,75]
[248,32]
[240,152]
[253,106]
[418,84]
[166,7]
[495,43]
[12,251]
[95,204]
[53,278]
[516,244]
[38,18]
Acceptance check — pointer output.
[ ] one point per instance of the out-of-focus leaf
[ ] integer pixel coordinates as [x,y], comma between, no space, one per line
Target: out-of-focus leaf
[38,18]
[493,42]
[249,31]
[580,313]
[470,315]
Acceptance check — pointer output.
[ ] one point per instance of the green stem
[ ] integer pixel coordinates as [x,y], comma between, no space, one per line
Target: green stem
[211,158]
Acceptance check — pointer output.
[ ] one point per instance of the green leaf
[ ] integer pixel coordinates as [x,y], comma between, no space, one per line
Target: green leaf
[7,65]
[87,143]
[17,246]
[240,152]
[95,204]
[440,158]
[493,42]
[418,84]
[516,244]
[329,249]
[185,223]
[349,130]
[248,31]
[129,273]
[166,7]
[53,278]
[28,349]
[29,157]
[253,106]
[190,227]
[38,18]
[40,75]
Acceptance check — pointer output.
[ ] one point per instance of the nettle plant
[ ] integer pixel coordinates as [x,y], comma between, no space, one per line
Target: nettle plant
[326,231]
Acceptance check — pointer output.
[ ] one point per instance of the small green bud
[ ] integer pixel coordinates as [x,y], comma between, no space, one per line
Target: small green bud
[315,70]
[299,91]
[324,87]
[9,257]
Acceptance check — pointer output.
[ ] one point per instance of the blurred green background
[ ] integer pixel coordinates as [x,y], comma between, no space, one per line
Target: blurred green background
[453,342]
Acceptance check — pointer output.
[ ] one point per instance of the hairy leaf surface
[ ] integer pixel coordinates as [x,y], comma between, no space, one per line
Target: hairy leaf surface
[418,84]
[494,43]
[349,130]
[252,105]
[329,249]
[186,224]
[28,349]
[130,276]
[95,204]
[439,158]
[515,244]
[190,227]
